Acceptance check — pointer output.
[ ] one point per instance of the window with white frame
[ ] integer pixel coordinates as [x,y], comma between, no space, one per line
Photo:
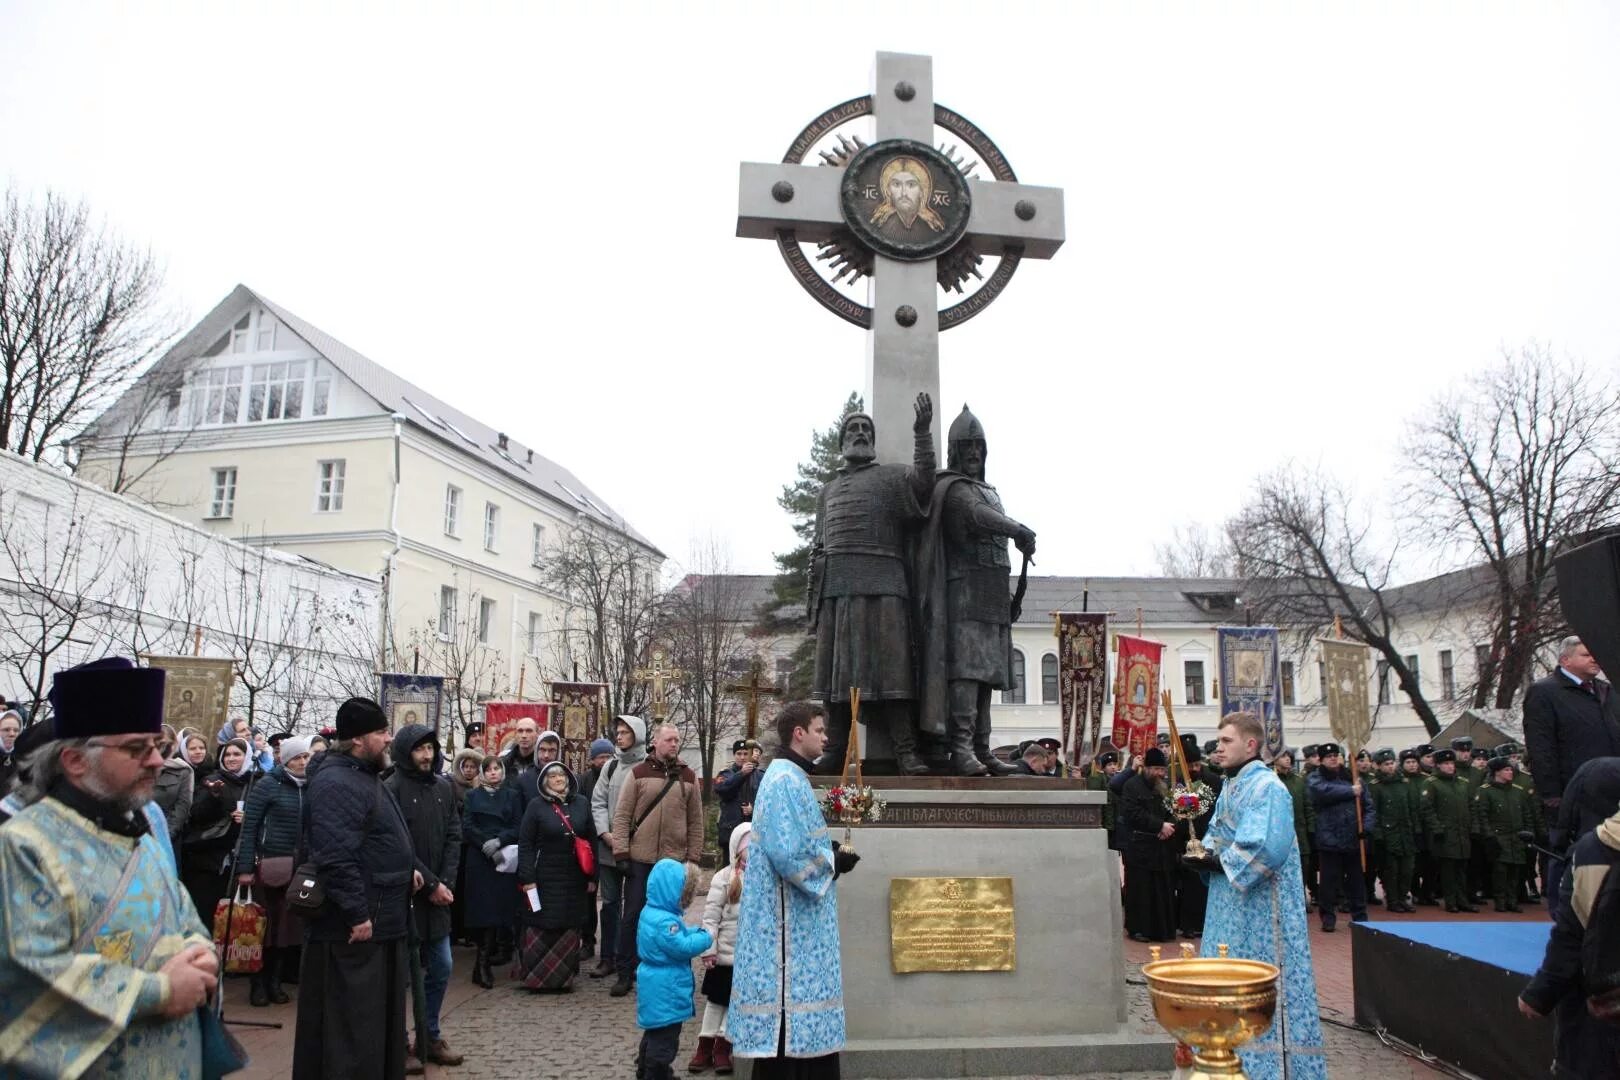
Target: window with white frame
[538,546]
[492,527]
[223,503]
[1448,675]
[447,610]
[486,619]
[536,624]
[216,396]
[329,494]
[1384,696]
[1412,666]
[265,339]
[239,335]
[1287,682]
[452,510]
[1049,679]
[276,391]
[1192,672]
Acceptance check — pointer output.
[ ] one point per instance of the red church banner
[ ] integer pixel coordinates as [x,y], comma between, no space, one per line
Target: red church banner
[501,717]
[576,715]
[1136,693]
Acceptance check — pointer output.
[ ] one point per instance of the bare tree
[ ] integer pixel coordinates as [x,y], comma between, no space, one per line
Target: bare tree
[1307,557]
[267,634]
[80,314]
[706,621]
[1507,470]
[461,650]
[608,584]
[1194,552]
[51,581]
[144,429]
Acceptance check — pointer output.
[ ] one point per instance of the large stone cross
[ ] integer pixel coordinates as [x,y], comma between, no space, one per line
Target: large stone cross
[867,197]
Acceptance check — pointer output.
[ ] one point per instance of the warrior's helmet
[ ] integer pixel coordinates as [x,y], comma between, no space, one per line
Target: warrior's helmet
[964,429]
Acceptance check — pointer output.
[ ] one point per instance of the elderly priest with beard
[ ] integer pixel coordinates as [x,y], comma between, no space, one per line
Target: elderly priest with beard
[103,960]
[1257,899]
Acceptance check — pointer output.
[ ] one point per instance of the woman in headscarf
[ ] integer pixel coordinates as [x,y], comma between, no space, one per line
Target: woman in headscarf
[175,784]
[490,818]
[272,831]
[549,870]
[10,727]
[194,749]
[216,821]
[463,778]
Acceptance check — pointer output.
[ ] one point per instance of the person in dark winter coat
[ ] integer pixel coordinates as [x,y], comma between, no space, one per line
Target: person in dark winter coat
[211,832]
[1589,798]
[1334,793]
[556,890]
[1447,816]
[601,756]
[272,834]
[11,725]
[1583,1045]
[428,801]
[1570,717]
[353,984]
[737,786]
[1150,852]
[463,779]
[490,819]
[175,784]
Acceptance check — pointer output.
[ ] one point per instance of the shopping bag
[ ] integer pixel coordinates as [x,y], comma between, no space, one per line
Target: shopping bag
[239,925]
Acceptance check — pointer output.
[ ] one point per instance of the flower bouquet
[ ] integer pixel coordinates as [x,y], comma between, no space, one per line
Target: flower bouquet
[851,805]
[1188,802]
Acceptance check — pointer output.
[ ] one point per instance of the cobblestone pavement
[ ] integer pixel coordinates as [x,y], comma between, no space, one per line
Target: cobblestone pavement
[509,1033]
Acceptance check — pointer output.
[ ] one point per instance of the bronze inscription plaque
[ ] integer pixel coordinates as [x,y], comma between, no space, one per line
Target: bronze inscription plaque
[951,924]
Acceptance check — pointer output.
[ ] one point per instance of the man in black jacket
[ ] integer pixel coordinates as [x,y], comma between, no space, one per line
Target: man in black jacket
[428,801]
[1570,717]
[355,978]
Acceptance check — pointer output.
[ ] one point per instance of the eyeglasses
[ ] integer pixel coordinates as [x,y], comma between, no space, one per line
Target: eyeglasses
[139,751]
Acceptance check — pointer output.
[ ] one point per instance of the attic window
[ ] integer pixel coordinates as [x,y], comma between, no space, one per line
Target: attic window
[501,452]
[434,420]
[582,500]
[1215,601]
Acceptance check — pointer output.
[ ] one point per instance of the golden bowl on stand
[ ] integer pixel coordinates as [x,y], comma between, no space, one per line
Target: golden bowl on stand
[1214,1004]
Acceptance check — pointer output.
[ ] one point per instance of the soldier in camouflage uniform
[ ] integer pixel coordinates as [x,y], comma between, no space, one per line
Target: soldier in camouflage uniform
[860,593]
[1395,840]
[962,568]
[1501,810]
[1304,816]
[1447,814]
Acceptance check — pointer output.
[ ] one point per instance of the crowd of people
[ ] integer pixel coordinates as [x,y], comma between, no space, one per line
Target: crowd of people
[373,858]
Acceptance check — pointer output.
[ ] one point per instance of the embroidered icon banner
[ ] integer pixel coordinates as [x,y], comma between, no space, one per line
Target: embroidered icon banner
[1082,679]
[1136,693]
[1251,679]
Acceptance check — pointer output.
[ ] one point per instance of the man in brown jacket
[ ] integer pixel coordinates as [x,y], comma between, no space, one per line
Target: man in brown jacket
[659,816]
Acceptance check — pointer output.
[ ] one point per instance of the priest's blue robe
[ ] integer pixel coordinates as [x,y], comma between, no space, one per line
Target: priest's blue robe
[787,967]
[80,993]
[1257,907]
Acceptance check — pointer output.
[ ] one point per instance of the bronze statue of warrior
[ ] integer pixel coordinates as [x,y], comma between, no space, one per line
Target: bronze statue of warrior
[860,595]
[965,614]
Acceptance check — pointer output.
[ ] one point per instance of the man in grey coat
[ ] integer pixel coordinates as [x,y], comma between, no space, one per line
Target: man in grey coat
[630,738]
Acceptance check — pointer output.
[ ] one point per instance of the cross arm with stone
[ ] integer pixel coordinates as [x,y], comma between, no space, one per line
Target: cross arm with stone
[810,202]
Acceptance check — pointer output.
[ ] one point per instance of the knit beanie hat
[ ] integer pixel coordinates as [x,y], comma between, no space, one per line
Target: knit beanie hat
[360,716]
[291,747]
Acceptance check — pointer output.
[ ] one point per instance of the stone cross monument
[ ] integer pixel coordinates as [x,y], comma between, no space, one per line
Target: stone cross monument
[908,216]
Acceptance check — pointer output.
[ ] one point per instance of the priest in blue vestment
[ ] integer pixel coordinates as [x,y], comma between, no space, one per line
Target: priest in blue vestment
[787,993]
[103,960]
[1257,899]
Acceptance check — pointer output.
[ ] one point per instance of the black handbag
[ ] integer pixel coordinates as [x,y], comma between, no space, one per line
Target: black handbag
[306,892]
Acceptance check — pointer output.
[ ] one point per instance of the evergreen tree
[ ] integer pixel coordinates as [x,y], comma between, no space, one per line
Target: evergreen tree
[784,612]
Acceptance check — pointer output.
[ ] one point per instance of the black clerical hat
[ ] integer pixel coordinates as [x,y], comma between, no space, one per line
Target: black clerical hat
[360,716]
[110,696]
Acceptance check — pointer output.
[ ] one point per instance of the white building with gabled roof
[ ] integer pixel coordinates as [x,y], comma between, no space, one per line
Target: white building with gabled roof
[261,426]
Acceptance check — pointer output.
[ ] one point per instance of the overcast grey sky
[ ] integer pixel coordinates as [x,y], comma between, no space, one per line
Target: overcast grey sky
[1288,224]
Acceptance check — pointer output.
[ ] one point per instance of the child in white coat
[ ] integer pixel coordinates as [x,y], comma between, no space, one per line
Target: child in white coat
[720,920]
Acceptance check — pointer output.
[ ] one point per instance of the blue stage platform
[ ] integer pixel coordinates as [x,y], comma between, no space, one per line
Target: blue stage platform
[1452,989]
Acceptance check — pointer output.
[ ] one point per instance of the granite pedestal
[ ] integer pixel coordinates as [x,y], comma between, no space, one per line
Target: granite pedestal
[1062,1010]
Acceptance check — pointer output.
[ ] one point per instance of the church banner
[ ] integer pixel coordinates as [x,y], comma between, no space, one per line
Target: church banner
[410,699]
[576,715]
[196,692]
[501,718]
[1082,680]
[1251,679]
[1136,693]
[1349,717]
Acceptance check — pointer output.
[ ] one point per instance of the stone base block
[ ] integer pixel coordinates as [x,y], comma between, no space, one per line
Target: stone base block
[1118,1051]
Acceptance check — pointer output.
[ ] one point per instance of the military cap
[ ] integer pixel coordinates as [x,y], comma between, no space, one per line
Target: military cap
[1423,748]
[739,746]
[1210,745]
[1108,757]
[1050,744]
[1443,756]
[1311,750]
[1328,749]
[1362,755]
[1462,743]
[1192,753]
[1478,753]
[1498,763]
[1508,748]
[1164,738]
[1410,755]
[1384,755]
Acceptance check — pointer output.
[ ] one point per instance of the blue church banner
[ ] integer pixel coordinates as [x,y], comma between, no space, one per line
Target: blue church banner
[1251,679]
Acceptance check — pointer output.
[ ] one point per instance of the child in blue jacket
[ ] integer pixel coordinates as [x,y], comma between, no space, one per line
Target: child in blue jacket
[664,985]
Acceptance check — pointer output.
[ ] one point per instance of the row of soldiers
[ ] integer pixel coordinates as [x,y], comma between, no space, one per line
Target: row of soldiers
[1444,824]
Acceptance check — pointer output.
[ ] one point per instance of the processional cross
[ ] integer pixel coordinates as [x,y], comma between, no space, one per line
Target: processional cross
[752,691]
[907,215]
[658,675]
